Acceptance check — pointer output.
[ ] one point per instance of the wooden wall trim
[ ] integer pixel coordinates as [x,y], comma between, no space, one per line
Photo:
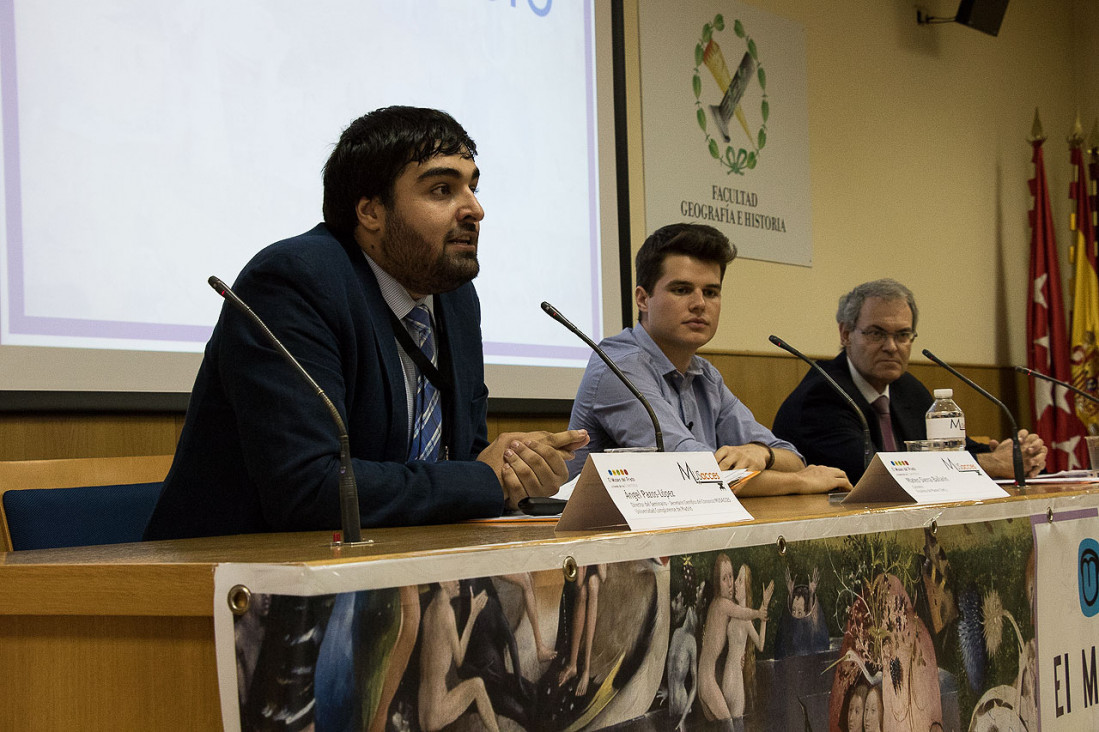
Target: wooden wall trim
[760,380]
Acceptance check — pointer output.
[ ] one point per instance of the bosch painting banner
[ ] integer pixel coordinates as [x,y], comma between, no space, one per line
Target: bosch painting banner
[911,625]
[725,125]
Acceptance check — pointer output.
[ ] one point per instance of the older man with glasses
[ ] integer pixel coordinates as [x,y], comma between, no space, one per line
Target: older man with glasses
[877,325]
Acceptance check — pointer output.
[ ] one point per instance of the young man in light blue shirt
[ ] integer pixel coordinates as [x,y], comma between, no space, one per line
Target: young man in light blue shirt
[680,269]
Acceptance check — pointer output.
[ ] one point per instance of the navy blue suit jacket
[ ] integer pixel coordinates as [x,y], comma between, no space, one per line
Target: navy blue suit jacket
[259,450]
[825,429]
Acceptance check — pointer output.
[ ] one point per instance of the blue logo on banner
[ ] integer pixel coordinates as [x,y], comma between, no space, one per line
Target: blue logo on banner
[1088,568]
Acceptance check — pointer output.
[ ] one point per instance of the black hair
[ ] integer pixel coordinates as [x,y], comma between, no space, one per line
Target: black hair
[375,148]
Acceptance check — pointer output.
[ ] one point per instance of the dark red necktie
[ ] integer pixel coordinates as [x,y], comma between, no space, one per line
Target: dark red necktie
[881,406]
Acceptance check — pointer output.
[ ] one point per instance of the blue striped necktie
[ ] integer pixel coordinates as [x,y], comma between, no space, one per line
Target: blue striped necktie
[427,429]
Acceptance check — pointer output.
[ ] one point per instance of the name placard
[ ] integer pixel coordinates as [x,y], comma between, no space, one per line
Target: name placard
[924,477]
[650,490]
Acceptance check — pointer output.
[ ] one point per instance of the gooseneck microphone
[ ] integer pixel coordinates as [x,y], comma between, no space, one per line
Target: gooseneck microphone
[553,313]
[349,495]
[867,443]
[1016,449]
[1058,382]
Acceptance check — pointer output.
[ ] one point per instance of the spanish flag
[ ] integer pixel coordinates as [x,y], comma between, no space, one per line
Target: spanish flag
[1085,286]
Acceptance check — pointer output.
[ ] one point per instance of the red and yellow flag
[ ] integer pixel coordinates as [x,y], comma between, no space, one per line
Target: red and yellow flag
[1085,286]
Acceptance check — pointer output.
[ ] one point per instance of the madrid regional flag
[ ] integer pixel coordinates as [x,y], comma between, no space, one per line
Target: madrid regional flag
[1055,418]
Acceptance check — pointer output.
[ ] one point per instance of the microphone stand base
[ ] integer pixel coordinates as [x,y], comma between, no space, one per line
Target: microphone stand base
[338,543]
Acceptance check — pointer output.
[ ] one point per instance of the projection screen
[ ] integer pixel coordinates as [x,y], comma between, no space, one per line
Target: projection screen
[149,144]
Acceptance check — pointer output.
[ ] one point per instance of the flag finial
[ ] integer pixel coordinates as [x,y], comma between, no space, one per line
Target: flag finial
[1076,136]
[1036,134]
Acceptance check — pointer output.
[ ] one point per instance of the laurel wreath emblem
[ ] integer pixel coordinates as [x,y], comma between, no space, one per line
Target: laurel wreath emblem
[734,159]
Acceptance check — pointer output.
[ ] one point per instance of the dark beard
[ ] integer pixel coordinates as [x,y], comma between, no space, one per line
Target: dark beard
[407,253]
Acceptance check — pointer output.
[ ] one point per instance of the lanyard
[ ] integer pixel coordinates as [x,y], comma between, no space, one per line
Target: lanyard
[440,379]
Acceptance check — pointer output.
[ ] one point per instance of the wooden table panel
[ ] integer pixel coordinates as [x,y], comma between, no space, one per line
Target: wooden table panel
[121,637]
[108,673]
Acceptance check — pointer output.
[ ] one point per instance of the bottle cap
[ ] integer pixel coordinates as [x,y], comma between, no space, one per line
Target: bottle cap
[944,393]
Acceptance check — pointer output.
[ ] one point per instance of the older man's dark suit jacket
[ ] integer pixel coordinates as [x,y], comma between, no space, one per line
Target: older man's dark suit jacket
[825,429]
[259,451]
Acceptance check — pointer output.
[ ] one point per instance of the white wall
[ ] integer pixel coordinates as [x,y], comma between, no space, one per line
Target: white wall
[919,164]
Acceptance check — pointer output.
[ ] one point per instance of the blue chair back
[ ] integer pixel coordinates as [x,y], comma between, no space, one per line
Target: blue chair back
[47,504]
[48,518]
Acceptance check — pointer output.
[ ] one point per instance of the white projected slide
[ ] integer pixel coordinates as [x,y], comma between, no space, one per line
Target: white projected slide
[150,144]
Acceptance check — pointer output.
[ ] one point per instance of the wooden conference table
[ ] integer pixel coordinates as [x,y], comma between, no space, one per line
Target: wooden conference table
[122,637]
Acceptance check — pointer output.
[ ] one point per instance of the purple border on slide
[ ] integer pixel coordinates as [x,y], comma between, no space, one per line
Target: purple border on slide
[21,323]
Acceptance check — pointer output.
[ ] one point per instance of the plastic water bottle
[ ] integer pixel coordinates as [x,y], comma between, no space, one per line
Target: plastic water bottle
[945,421]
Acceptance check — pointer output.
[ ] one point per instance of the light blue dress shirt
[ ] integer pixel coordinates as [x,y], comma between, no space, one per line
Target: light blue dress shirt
[697,412]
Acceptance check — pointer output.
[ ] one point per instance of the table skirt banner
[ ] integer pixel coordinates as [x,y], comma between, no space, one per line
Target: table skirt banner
[931,618]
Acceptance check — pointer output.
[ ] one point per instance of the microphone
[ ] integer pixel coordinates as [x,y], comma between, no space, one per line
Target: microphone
[553,313]
[543,506]
[1016,450]
[1058,382]
[349,494]
[867,443]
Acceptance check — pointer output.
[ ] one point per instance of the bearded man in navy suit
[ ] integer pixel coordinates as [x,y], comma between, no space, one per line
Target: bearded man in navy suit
[259,451]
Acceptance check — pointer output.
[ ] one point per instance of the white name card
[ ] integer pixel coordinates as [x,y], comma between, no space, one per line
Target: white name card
[650,490]
[924,477]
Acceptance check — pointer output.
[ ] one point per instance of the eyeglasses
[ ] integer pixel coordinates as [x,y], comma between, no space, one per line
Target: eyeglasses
[878,336]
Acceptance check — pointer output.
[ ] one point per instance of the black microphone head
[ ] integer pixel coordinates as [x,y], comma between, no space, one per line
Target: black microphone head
[556,315]
[788,348]
[218,285]
[932,357]
[1024,370]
